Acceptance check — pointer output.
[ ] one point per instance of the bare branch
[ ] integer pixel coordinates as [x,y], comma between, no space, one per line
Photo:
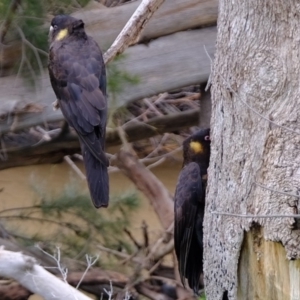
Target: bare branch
[148,183]
[74,167]
[90,262]
[132,30]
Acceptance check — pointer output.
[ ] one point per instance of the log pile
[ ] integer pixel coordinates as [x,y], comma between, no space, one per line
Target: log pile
[166,113]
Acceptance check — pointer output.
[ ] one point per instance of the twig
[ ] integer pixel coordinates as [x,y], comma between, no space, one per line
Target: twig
[129,258]
[161,98]
[110,292]
[145,234]
[78,156]
[90,262]
[74,167]
[156,265]
[132,238]
[157,163]
[153,108]
[154,159]
[162,141]
[122,135]
[116,253]
[57,258]
[46,135]
[154,254]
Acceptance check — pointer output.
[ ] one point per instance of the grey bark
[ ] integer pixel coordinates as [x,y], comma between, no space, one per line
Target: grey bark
[256,71]
[104,24]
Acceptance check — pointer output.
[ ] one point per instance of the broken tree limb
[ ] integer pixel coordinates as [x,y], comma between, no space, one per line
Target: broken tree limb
[132,30]
[29,274]
[149,185]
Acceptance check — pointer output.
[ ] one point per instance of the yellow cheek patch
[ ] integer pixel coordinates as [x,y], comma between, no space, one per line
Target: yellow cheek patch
[62,34]
[196,147]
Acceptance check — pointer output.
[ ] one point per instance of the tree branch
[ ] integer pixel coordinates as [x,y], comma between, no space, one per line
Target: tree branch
[148,183]
[132,30]
[29,274]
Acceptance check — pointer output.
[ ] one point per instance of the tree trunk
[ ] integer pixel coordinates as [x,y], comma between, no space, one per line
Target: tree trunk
[255,138]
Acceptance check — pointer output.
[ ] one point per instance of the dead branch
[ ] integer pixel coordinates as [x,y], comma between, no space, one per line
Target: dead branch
[132,238]
[148,183]
[74,167]
[132,30]
[163,246]
[28,273]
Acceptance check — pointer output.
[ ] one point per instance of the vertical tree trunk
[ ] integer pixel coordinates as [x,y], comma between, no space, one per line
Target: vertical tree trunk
[255,141]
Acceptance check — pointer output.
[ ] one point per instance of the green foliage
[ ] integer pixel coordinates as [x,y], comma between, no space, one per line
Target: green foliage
[57,7]
[73,223]
[26,22]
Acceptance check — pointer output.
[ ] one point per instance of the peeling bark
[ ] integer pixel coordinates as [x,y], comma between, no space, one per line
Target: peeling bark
[255,78]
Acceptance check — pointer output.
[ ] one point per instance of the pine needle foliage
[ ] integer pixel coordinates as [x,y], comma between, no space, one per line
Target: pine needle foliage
[74,224]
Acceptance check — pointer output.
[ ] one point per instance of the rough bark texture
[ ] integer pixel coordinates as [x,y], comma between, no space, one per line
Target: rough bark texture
[257,63]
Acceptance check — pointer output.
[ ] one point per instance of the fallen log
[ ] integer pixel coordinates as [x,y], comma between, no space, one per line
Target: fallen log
[54,150]
[164,64]
[29,274]
[104,24]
